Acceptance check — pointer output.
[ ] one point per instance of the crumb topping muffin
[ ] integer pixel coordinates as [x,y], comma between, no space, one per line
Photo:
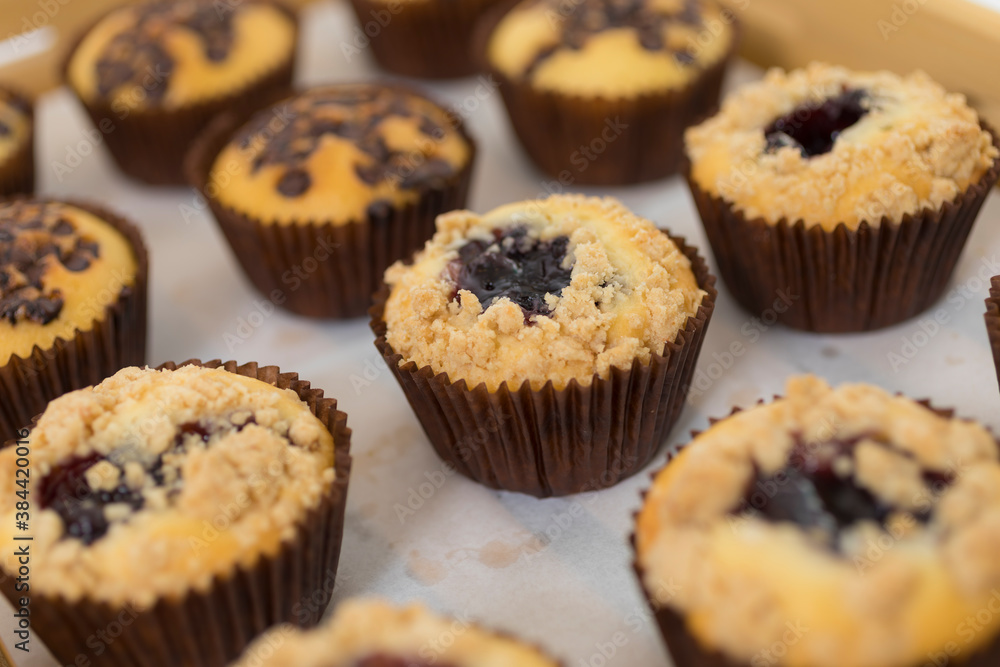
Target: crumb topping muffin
[553,289]
[611,48]
[827,145]
[166,54]
[15,124]
[373,633]
[869,519]
[153,482]
[339,154]
[60,266]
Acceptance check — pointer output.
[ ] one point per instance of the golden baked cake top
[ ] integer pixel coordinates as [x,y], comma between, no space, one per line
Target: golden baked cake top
[827,145]
[373,633]
[60,267]
[610,48]
[339,154]
[164,54]
[154,482]
[15,124]
[867,518]
[553,289]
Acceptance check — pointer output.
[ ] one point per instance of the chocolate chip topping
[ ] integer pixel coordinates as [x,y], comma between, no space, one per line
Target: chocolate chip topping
[32,236]
[586,18]
[138,56]
[352,113]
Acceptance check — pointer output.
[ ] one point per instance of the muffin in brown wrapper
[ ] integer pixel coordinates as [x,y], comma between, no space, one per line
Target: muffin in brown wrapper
[116,340]
[150,144]
[430,39]
[319,268]
[551,442]
[17,172]
[211,628]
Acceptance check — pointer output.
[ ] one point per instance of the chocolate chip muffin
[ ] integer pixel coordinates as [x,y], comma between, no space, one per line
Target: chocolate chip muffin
[203,502]
[600,91]
[72,302]
[852,191]
[152,75]
[546,346]
[830,527]
[17,144]
[372,633]
[319,193]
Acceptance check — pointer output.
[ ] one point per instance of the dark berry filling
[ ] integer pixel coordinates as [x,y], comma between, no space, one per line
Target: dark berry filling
[813,128]
[514,265]
[815,492]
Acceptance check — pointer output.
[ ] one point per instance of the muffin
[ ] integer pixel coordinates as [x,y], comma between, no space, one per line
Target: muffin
[852,193]
[547,346]
[318,194]
[17,144]
[203,502]
[372,633]
[152,75]
[600,91]
[72,302]
[993,321]
[830,527]
[422,38]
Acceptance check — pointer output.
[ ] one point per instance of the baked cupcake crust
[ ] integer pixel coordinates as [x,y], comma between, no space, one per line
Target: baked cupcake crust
[362,630]
[165,55]
[339,154]
[915,146]
[628,290]
[880,596]
[60,267]
[610,48]
[154,482]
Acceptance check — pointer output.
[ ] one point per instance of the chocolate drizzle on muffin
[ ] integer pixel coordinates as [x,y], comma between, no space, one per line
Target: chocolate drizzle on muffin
[31,237]
[139,57]
[356,114]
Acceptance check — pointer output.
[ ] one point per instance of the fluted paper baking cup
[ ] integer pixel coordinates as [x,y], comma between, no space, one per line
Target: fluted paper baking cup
[993,322]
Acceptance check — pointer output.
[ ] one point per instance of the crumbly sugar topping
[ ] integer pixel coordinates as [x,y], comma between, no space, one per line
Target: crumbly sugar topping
[153,482]
[554,289]
[373,633]
[893,146]
[866,518]
[617,48]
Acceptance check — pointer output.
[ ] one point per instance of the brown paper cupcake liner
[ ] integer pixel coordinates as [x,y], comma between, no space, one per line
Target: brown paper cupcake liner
[993,322]
[17,172]
[687,651]
[150,144]
[582,140]
[316,268]
[842,280]
[555,442]
[116,340]
[431,40]
[211,628]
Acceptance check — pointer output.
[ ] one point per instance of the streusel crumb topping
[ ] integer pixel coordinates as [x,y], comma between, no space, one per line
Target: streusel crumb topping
[827,145]
[554,289]
[869,519]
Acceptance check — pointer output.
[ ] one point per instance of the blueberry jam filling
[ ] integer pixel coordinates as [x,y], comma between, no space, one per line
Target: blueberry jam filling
[82,509]
[813,128]
[817,490]
[514,265]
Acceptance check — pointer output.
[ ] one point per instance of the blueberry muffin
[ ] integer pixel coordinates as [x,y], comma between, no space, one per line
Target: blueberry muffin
[431,39]
[853,191]
[568,324]
[318,194]
[372,633]
[72,302]
[153,74]
[17,144]
[601,91]
[204,501]
[830,527]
